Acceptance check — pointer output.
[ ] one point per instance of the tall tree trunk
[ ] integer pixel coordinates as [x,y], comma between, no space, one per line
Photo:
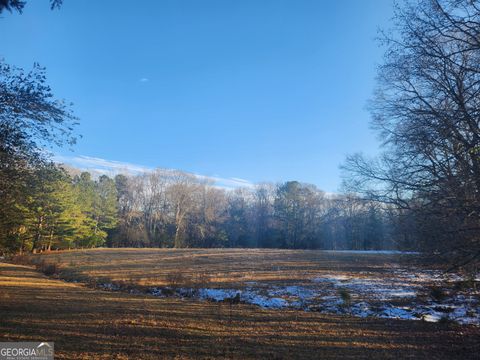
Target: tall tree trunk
[38,235]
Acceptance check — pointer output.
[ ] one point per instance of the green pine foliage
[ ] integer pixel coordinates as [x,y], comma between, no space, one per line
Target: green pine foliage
[59,212]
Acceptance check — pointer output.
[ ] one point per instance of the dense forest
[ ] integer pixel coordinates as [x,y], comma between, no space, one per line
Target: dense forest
[421,193]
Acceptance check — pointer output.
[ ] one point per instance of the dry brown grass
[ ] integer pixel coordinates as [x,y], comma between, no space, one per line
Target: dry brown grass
[225,268]
[92,324]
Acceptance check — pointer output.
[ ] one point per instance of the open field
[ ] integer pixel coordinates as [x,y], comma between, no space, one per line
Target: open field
[365,284]
[86,323]
[221,268]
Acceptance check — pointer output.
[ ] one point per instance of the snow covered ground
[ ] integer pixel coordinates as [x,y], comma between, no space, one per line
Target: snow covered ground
[399,293]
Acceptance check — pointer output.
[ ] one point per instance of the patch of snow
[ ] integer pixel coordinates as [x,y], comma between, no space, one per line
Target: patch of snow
[217,294]
[361,309]
[433,317]
[293,291]
[372,295]
[384,252]
[397,313]
[331,278]
[265,302]
[402,293]
[383,288]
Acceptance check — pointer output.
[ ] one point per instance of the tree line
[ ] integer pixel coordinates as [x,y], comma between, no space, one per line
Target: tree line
[167,208]
[66,209]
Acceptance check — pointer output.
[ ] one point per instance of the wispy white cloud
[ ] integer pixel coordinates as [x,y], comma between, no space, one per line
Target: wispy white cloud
[240,180]
[226,183]
[144,80]
[101,166]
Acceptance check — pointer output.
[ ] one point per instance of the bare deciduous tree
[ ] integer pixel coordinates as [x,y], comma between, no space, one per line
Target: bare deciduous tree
[427,112]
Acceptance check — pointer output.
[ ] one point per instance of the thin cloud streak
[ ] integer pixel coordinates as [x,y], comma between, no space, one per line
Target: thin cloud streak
[101,166]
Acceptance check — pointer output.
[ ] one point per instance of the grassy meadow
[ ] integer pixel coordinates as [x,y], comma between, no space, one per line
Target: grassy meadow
[213,267]
[88,323]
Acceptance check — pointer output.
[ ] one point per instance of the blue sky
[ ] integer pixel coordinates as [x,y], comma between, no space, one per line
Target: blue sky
[254,89]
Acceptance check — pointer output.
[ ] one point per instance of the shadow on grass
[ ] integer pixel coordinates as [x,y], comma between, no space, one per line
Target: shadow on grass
[87,323]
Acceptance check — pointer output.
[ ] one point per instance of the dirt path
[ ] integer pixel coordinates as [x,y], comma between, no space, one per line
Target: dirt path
[92,324]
